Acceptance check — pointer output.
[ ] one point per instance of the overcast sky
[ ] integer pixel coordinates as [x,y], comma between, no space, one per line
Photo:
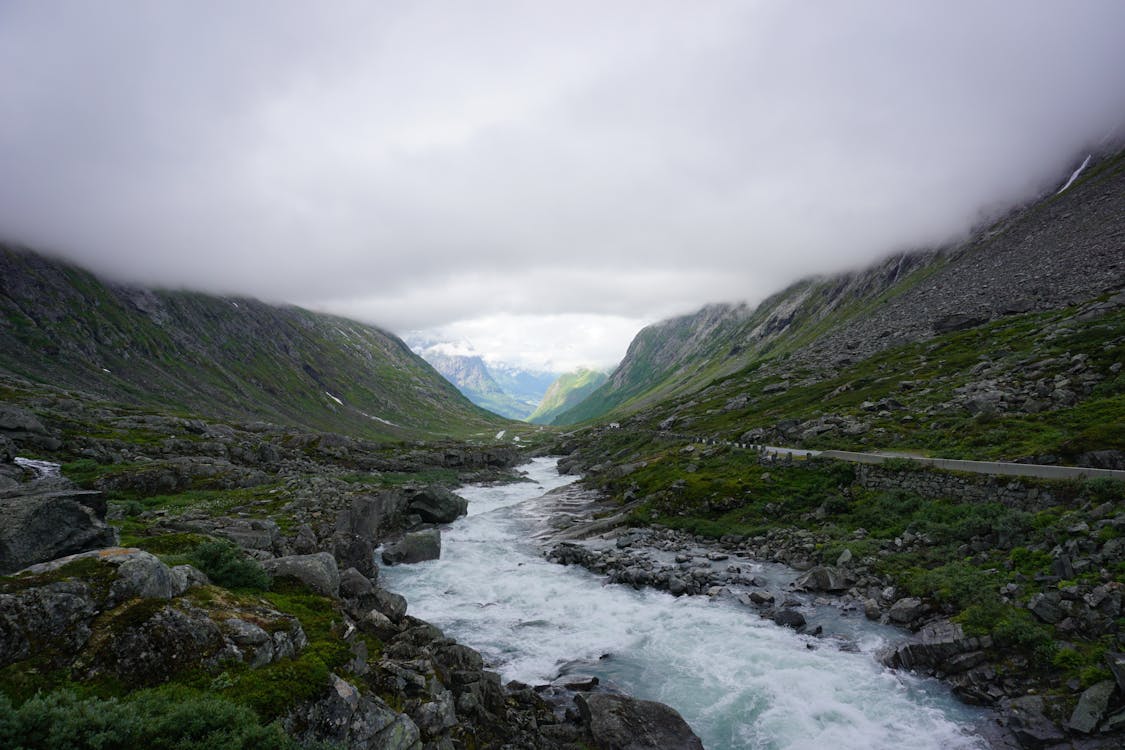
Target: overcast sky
[540,178]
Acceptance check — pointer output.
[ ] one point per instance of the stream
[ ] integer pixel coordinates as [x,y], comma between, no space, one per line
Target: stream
[739,680]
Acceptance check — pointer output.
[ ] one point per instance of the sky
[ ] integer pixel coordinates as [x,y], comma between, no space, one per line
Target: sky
[538,179]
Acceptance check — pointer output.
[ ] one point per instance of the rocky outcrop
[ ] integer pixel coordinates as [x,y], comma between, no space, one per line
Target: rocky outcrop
[47,525]
[351,719]
[123,613]
[438,505]
[413,547]
[619,723]
[317,571]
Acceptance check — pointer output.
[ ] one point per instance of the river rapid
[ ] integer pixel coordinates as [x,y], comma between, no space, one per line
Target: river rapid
[739,680]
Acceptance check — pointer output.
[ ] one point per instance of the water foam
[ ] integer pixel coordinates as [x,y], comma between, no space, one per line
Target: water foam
[740,681]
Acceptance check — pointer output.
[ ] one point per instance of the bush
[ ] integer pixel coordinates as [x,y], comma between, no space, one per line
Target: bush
[162,718]
[225,564]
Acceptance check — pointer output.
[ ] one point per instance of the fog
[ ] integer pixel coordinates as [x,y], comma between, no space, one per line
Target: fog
[507,167]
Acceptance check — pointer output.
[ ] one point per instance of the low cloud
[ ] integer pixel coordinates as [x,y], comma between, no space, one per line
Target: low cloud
[429,163]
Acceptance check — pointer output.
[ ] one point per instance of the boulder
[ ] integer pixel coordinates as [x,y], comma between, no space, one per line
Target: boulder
[141,574]
[789,618]
[1046,607]
[1026,720]
[415,546]
[1116,663]
[41,527]
[355,551]
[616,722]
[822,578]
[373,516]
[345,717]
[1091,707]
[438,505]
[906,610]
[318,571]
[354,585]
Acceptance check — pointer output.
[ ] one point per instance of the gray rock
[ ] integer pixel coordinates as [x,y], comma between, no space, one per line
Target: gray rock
[141,574]
[957,322]
[188,577]
[1030,726]
[438,505]
[354,585]
[1116,663]
[789,618]
[373,516]
[1046,607]
[437,716]
[822,578]
[38,528]
[318,571]
[1091,707]
[415,546]
[305,543]
[616,722]
[351,719]
[58,614]
[354,551]
[906,610]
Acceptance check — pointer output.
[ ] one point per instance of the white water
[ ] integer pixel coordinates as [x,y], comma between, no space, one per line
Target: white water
[740,681]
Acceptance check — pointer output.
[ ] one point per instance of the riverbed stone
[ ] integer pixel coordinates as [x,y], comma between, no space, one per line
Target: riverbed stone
[438,505]
[617,722]
[415,546]
[822,578]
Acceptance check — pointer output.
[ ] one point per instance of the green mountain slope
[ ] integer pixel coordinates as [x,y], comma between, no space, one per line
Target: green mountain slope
[219,357]
[568,390]
[1060,250]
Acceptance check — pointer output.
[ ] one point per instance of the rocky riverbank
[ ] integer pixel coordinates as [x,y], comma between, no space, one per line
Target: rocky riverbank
[326,651]
[779,576]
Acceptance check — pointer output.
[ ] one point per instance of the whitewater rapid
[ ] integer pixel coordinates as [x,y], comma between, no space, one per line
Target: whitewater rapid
[740,681]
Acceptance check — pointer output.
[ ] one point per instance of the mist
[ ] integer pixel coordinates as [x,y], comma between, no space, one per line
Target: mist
[457,167]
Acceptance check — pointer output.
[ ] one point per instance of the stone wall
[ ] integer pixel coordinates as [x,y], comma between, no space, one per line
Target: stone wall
[935,483]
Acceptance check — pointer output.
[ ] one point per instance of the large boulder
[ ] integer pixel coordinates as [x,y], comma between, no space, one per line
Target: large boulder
[617,722]
[318,571]
[438,505]
[415,546]
[40,527]
[373,516]
[349,718]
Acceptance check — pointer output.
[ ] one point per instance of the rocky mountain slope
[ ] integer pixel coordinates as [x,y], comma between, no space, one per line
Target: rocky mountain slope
[567,391]
[220,357]
[1066,248]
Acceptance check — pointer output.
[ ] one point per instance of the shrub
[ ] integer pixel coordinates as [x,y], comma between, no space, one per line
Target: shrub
[225,564]
[166,717]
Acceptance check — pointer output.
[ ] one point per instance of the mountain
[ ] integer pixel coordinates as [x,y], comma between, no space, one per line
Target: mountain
[218,357]
[503,389]
[1064,250]
[566,392]
[474,380]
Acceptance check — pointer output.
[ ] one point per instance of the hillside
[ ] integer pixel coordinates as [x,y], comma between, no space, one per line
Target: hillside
[1065,249]
[218,357]
[566,392]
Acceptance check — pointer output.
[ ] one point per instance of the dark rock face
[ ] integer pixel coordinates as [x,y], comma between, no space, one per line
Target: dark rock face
[47,526]
[438,505]
[415,546]
[619,723]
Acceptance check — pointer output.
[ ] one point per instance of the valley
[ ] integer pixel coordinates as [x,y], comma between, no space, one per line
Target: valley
[292,527]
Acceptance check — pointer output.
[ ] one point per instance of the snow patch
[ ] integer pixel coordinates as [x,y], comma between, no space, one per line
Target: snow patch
[500,435]
[379,419]
[329,395]
[1077,172]
[106,371]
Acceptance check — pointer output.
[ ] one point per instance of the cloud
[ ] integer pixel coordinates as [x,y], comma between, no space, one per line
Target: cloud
[427,163]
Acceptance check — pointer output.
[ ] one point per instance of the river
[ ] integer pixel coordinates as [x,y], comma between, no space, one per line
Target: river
[739,680]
